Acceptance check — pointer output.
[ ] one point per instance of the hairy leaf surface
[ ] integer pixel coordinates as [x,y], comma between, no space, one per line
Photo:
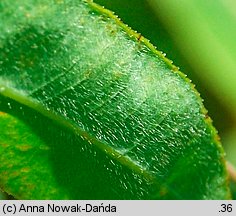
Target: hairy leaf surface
[91,110]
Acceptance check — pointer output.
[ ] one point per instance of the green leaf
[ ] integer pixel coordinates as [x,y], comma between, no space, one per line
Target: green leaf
[90,110]
[205,32]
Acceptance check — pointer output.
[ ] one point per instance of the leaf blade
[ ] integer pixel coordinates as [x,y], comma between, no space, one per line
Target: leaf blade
[132,108]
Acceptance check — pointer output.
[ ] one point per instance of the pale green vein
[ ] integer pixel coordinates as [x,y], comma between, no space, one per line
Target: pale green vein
[31,103]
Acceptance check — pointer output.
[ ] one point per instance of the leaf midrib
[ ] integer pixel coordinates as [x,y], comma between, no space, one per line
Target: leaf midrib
[35,105]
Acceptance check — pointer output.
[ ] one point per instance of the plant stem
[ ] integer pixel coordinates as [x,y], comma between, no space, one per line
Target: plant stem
[232,171]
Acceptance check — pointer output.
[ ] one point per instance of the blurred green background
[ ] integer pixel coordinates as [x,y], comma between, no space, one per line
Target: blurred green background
[199,36]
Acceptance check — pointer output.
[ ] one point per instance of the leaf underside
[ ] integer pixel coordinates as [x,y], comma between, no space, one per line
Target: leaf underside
[90,110]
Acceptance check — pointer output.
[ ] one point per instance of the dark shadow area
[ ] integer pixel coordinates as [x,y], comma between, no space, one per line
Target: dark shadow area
[86,172]
[79,167]
[27,51]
